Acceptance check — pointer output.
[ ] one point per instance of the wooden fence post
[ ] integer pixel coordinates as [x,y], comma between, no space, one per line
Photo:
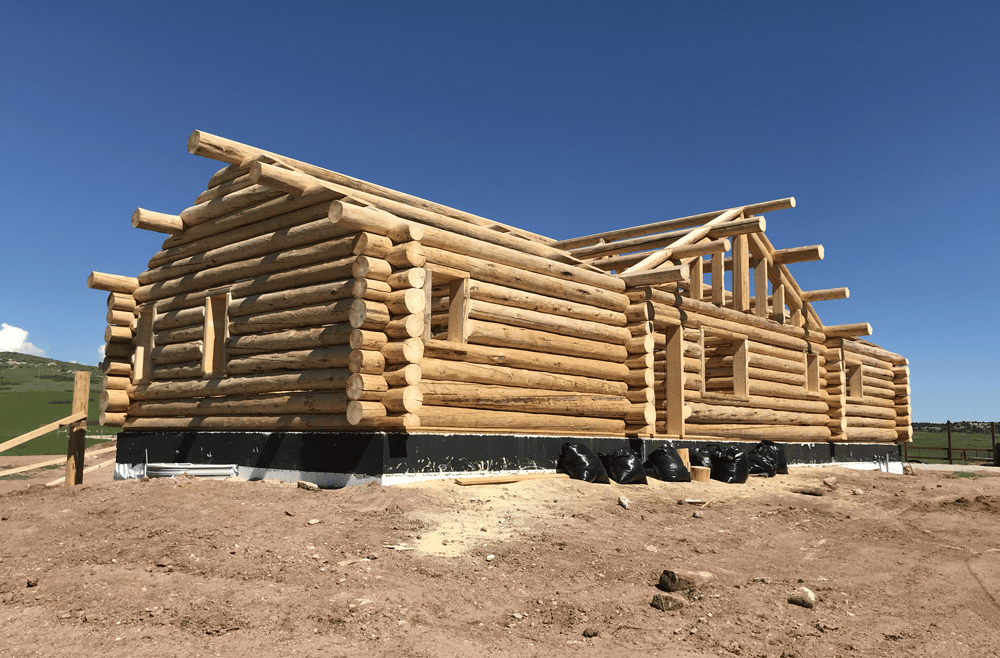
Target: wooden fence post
[993,431]
[78,430]
[950,460]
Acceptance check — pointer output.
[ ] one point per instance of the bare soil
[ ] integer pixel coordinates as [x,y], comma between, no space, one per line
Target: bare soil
[901,566]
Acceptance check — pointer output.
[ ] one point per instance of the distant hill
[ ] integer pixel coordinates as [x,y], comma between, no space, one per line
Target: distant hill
[960,426]
[35,391]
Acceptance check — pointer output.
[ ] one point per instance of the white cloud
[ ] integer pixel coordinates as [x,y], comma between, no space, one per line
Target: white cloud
[100,352]
[13,339]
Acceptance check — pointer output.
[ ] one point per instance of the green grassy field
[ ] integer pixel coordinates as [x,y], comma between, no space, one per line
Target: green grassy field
[35,391]
[959,441]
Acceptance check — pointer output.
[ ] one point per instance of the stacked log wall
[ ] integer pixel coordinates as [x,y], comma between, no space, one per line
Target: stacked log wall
[876,403]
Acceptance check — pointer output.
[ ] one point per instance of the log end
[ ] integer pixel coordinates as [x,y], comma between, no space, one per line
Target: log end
[194,142]
[791,202]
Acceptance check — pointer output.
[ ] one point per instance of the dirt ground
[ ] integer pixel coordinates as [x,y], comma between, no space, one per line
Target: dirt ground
[901,565]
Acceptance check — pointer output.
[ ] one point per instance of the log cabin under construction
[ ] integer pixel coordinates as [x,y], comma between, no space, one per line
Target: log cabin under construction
[300,321]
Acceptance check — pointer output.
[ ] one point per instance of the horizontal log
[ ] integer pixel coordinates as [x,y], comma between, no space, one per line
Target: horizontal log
[656,276]
[767,389]
[844,330]
[413,278]
[825,294]
[112,283]
[180,318]
[367,267]
[157,221]
[232,272]
[244,423]
[640,378]
[406,255]
[321,314]
[405,399]
[116,367]
[875,434]
[334,402]
[113,334]
[112,419]
[303,380]
[529,360]
[720,358]
[118,301]
[869,411]
[180,335]
[240,182]
[371,289]
[859,348]
[118,383]
[321,358]
[477,419]
[293,339]
[397,375]
[322,293]
[371,244]
[366,387]
[759,374]
[368,362]
[227,204]
[641,395]
[362,339]
[405,327]
[113,400]
[510,297]
[640,414]
[405,302]
[410,350]
[368,315]
[433,369]
[521,279]
[183,370]
[177,353]
[763,402]
[120,318]
[798,254]
[118,350]
[499,335]
[541,321]
[758,432]
[670,316]
[723,414]
[269,217]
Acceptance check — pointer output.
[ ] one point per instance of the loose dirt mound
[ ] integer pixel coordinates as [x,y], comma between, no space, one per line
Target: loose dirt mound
[901,565]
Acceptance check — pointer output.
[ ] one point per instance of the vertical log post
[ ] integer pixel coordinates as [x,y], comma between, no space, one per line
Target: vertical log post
[78,430]
[950,459]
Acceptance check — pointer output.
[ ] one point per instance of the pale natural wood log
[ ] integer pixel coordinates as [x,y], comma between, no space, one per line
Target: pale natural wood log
[513,277]
[640,312]
[640,414]
[758,432]
[798,254]
[506,479]
[413,278]
[107,419]
[498,335]
[499,294]
[660,240]
[270,217]
[366,387]
[224,205]
[778,304]
[405,302]
[233,272]
[857,347]
[474,373]
[808,406]
[643,329]
[240,182]
[118,301]
[761,387]
[405,327]
[718,414]
[397,376]
[759,374]
[845,330]
[114,334]
[334,402]
[120,318]
[659,257]
[541,321]
[367,267]
[118,350]
[113,400]
[180,318]
[112,283]
[406,399]
[371,289]
[369,315]
[361,339]
[825,294]
[530,360]
[741,274]
[640,361]
[371,244]
[874,434]
[641,395]
[365,412]
[247,423]
[177,353]
[293,339]
[697,279]
[322,230]
[410,350]
[157,221]
[322,314]
[455,418]
[218,148]
[869,411]
[407,255]
[656,227]
[656,276]
[116,367]
[321,358]
[303,380]
[533,400]
[723,358]
[183,370]
[367,362]
[760,300]
[292,298]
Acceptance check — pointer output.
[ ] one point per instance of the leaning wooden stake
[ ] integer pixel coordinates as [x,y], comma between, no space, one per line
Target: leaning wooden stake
[78,430]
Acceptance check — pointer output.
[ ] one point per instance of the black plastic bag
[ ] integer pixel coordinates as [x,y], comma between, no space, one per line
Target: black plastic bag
[731,466]
[665,464]
[762,464]
[700,457]
[776,452]
[580,463]
[624,466]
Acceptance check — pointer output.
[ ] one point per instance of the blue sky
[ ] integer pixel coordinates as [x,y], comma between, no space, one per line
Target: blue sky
[566,118]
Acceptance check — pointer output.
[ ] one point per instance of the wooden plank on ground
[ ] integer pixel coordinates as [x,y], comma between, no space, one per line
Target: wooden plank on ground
[507,479]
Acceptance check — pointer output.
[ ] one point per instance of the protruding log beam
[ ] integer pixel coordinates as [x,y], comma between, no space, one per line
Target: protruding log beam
[847,330]
[371,244]
[656,277]
[413,278]
[670,224]
[114,334]
[157,221]
[825,294]
[113,400]
[121,302]
[798,254]
[659,257]
[112,283]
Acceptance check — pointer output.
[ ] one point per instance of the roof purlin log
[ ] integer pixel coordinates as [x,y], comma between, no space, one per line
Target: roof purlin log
[657,258]
[659,240]
[297,182]
[666,225]
[221,149]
